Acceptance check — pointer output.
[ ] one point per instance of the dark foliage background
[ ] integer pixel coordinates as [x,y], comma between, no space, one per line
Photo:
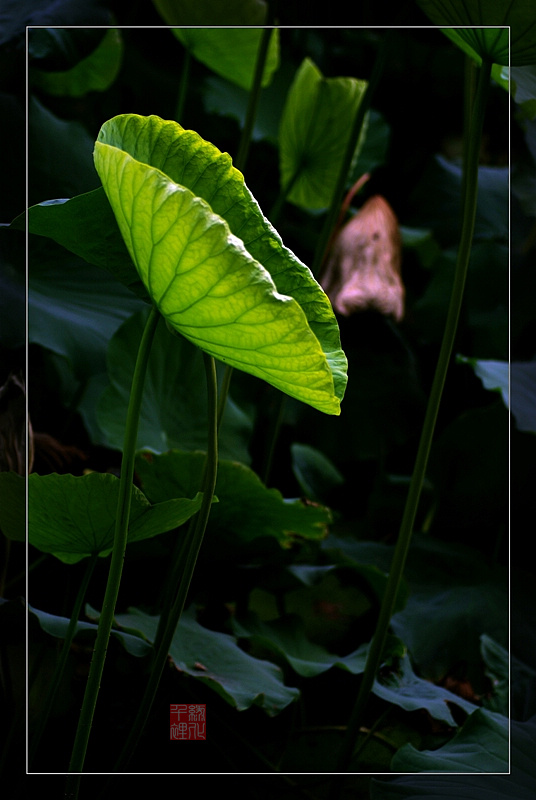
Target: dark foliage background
[480,468]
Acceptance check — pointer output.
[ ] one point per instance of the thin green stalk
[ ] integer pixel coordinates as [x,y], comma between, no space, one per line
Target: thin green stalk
[254,95]
[224,391]
[281,198]
[470,184]
[183,86]
[278,412]
[118,553]
[195,539]
[62,660]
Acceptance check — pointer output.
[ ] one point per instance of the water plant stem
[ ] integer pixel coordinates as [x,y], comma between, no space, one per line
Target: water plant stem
[469,202]
[189,555]
[118,553]
[183,85]
[254,94]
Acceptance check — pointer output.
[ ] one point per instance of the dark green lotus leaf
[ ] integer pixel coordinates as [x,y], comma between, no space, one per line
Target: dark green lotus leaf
[246,509]
[59,155]
[85,225]
[57,626]
[481,745]
[216,659]
[402,687]
[518,785]
[73,307]
[74,517]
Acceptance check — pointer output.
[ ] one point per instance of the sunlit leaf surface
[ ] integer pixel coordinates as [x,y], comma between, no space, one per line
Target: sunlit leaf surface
[209,284]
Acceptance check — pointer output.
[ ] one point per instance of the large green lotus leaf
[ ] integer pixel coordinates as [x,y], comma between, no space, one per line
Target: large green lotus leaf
[314,132]
[216,659]
[199,166]
[246,508]
[208,283]
[95,73]
[487,41]
[74,517]
[481,745]
[174,404]
[231,52]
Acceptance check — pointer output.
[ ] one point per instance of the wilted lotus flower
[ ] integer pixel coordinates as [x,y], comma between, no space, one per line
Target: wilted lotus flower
[363,266]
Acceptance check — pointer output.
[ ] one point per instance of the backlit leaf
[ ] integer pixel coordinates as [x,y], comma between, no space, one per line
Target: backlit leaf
[211,286]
